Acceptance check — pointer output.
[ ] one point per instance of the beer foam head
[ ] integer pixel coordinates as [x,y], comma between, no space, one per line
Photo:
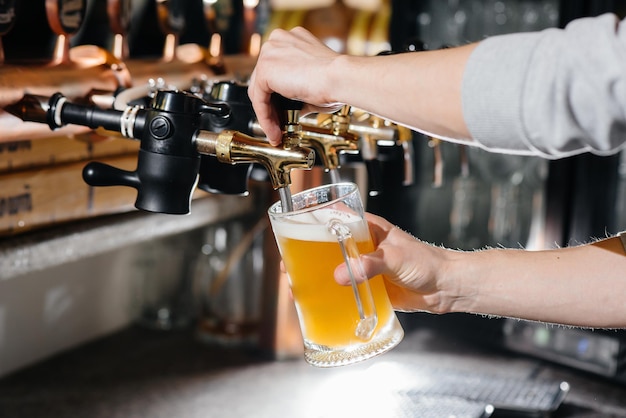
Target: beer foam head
[313,226]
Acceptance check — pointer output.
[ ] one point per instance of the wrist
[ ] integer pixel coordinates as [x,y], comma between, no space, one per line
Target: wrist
[459,288]
[349,80]
[334,85]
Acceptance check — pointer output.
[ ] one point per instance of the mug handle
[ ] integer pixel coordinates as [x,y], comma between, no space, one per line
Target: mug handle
[368,319]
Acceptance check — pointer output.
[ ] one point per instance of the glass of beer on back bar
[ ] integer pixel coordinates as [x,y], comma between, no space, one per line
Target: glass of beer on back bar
[340,324]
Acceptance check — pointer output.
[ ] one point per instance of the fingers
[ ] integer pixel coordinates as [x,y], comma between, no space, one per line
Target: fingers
[265,113]
[291,63]
[262,81]
[260,93]
[372,263]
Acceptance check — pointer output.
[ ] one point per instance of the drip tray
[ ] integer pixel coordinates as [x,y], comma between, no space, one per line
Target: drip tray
[401,390]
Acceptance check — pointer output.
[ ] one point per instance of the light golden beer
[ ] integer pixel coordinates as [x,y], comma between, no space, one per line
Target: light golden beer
[328,311]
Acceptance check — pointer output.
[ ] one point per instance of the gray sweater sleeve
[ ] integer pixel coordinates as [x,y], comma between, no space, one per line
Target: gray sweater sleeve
[552,93]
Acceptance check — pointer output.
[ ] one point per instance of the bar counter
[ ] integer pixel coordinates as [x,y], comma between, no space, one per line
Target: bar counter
[138,372]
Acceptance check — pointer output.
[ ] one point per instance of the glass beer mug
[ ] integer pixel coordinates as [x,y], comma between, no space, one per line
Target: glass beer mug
[340,324]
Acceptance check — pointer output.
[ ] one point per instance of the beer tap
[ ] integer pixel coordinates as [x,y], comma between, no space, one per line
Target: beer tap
[331,138]
[242,121]
[171,18]
[173,138]
[328,135]
[119,14]
[385,132]
[75,72]
[369,152]
[215,176]
[368,131]
[7,21]
[65,18]
[215,51]
[289,112]
[178,64]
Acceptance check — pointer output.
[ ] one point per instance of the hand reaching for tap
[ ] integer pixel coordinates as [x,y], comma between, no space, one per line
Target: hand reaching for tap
[293,64]
[297,65]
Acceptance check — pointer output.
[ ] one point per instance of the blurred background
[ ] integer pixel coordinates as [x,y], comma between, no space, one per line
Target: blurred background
[79,263]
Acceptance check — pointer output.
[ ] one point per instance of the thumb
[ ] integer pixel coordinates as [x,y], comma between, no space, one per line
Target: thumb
[371,267]
[342,275]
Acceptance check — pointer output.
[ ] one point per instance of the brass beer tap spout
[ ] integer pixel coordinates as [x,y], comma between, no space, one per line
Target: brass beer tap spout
[331,138]
[235,147]
[356,126]
[328,144]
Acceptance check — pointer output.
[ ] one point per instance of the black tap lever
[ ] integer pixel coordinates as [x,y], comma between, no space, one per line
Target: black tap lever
[168,161]
[215,176]
[289,114]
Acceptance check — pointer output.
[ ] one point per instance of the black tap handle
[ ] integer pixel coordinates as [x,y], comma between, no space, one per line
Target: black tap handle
[217,177]
[168,162]
[164,183]
[374,177]
[283,103]
[100,174]
[288,109]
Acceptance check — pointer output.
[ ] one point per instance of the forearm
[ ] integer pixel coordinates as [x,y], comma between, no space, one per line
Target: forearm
[583,285]
[420,90]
